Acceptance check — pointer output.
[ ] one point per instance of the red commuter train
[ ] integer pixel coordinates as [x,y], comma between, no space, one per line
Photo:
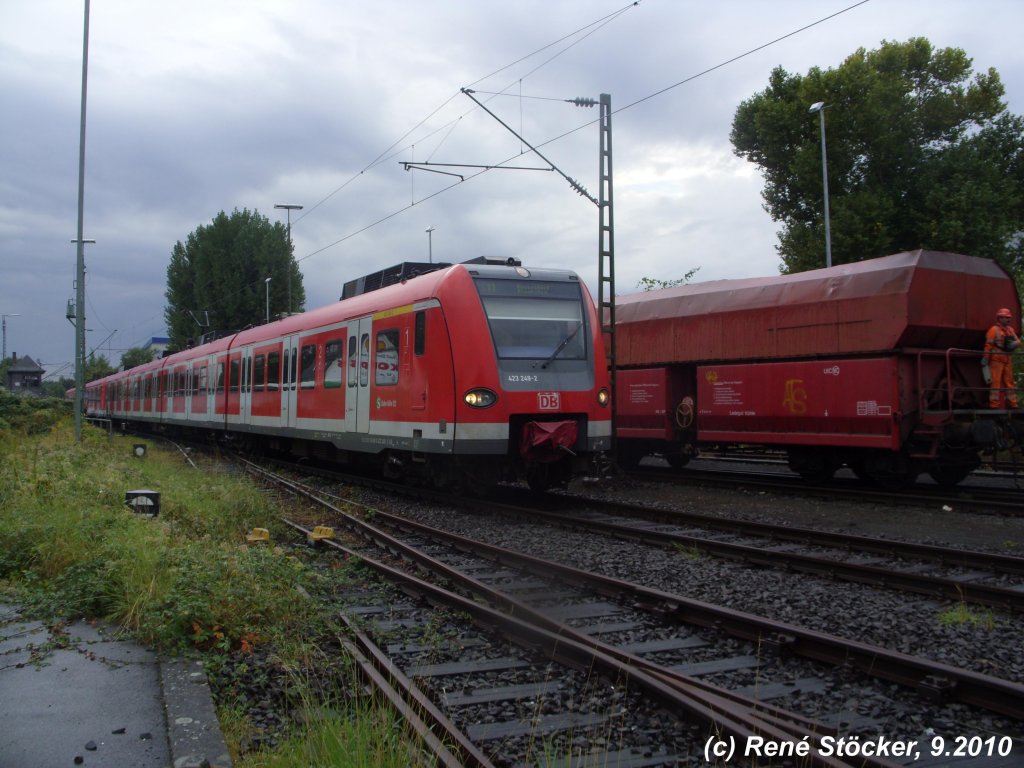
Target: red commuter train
[873,365]
[466,375]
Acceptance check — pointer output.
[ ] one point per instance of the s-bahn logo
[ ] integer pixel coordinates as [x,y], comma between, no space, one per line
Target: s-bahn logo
[548,401]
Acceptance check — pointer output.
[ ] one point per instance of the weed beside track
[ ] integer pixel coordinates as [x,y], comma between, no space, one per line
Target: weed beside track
[185,582]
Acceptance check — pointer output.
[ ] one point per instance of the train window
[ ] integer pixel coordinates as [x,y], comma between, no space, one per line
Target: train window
[420,340]
[308,356]
[220,378]
[202,380]
[353,362]
[332,364]
[246,374]
[386,364]
[259,364]
[543,324]
[273,370]
[233,381]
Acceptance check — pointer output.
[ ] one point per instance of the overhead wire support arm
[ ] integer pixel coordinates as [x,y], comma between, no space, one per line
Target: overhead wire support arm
[572,182]
[408,165]
[427,166]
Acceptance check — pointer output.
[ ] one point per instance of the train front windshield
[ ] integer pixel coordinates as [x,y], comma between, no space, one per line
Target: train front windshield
[532,320]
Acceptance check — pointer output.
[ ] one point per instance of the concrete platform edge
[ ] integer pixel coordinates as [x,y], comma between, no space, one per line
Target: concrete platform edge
[193,730]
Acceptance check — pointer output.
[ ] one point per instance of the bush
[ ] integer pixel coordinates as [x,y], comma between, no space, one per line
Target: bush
[30,415]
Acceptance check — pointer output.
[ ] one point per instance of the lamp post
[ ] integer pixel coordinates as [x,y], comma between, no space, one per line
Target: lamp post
[289,207]
[81,241]
[5,316]
[80,325]
[267,281]
[430,243]
[819,107]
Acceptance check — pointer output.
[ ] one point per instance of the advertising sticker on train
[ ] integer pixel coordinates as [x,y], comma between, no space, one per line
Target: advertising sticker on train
[548,401]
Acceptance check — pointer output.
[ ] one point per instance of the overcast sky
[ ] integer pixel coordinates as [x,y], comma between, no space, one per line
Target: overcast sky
[198,107]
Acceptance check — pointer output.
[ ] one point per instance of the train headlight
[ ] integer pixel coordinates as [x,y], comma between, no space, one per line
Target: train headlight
[480,398]
[603,396]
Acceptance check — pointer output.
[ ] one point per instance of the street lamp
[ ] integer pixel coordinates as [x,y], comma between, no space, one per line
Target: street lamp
[267,281]
[6,315]
[289,207]
[430,243]
[819,107]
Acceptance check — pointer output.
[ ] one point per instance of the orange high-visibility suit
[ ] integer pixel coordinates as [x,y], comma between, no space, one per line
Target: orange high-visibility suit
[1000,341]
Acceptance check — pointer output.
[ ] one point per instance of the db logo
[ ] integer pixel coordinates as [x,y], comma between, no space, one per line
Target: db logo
[833,371]
[548,401]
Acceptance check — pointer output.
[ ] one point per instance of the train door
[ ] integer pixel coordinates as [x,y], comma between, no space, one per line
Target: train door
[289,364]
[212,368]
[233,388]
[245,388]
[357,384]
[188,392]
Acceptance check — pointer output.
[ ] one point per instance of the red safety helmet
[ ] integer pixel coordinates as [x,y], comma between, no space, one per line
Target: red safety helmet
[1004,312]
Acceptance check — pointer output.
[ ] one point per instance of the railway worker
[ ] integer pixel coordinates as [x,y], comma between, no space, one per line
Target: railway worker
[997,361]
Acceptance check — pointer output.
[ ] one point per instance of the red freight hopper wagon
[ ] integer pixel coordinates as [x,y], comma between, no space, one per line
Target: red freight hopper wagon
[874,365]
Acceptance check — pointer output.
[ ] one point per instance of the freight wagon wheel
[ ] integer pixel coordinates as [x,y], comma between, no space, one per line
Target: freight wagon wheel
[859,470]
[948,475]
[676,459]
[815,466]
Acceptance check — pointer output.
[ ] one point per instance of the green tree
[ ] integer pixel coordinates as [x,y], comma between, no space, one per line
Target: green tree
[920,155]
[216,278]
[97,367]
[57,387]
[136,356]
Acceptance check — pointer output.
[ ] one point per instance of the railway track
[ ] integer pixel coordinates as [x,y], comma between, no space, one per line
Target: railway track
[942,572]
[641,640]
[1005,500]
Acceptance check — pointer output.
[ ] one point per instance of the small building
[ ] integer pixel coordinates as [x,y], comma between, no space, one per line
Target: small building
[25,376]
[158,346]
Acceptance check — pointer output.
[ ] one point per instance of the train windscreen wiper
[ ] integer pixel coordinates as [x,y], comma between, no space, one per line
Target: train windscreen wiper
[562,345]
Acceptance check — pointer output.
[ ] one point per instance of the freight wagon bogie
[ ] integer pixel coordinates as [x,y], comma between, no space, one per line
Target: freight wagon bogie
[873,366]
